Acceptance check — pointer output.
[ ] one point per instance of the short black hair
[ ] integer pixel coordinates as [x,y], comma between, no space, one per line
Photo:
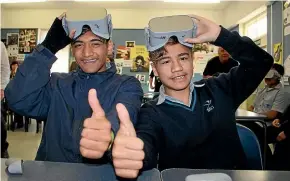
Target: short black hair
[279,68]
[13,63]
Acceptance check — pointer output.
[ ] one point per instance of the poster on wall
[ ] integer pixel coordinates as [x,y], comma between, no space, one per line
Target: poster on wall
[119,65]
[123,53]
[27,40]
[130,44]
[12,46]
[140,58]
[278,53]
[286,18]
[287,66]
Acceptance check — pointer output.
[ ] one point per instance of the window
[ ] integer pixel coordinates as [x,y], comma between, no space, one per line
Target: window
[257,27]
[62,62]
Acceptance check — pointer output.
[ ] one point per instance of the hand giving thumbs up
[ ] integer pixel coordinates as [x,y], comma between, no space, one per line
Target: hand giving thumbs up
[128,151]
[96,134]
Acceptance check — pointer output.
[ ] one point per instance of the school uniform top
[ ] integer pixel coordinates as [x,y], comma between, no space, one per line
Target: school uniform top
[269,99]
[203,135]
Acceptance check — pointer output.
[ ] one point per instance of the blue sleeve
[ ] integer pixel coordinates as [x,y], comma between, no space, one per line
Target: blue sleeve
[130,94]
[29,92]
[255,63]
[151,133]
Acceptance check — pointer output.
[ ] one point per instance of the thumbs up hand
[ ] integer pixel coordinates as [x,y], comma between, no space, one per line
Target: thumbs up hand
[128,151]
[96,134]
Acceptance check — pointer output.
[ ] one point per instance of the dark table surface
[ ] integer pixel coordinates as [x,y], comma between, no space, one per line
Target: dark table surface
[53,171]
[236,175]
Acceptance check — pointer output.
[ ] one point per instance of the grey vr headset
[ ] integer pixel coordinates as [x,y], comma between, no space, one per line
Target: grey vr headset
[161,29]
[100,27]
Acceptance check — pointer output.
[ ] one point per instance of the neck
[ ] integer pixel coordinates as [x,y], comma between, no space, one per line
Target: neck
[182,95]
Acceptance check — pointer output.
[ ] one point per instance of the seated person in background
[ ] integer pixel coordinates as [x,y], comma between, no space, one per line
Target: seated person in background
[62,99]
[192,124]
[272,99]
[219,64]
[279,133]
[157,82]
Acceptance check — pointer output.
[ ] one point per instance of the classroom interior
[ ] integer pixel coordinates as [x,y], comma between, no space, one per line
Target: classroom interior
[263,21]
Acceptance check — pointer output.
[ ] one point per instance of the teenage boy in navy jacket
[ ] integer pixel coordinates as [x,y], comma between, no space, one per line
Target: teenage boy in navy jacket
[192,124]
[78,120]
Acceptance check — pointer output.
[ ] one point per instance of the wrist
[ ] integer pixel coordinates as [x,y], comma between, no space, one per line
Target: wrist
[111,142]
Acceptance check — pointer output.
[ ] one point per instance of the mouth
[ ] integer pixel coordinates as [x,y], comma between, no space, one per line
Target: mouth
[89,61]
[180,77]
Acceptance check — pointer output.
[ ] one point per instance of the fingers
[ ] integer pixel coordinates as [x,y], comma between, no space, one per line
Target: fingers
[92,154]
[129,142]
[72,34]
[95,104]
[97,124]
[97,135]
[62,15]
[126,126]
[94,145]
[120,152]
[129,164]
[127,173]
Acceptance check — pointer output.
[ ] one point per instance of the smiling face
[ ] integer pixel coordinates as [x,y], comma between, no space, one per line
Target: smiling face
[174,67]
[90,52]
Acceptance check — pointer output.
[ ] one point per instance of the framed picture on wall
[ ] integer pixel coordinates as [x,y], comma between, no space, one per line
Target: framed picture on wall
[27,40]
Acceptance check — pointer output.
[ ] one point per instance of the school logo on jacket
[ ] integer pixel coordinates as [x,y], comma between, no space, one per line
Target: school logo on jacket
[208,105]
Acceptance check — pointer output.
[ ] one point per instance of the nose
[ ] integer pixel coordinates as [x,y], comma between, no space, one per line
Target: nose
[176,66]
[87,51]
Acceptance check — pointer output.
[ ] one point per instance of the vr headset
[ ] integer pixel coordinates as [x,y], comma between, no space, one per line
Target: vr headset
[101,25]
[161,29]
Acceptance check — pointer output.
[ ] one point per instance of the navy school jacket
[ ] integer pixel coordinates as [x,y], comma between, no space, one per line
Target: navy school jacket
[62,100]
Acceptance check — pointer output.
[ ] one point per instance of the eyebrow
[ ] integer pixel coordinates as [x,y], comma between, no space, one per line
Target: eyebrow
[92,40]
[182,54]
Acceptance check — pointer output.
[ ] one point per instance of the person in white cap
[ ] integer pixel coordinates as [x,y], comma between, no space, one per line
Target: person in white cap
[271,100]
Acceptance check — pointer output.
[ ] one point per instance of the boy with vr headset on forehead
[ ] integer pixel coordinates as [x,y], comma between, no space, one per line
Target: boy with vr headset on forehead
[191,124]
[80,107]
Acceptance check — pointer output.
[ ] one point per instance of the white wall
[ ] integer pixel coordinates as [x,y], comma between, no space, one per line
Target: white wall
[238,10]
[122,18]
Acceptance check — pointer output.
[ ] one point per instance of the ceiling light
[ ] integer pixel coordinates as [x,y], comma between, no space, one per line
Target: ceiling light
[21,1]
[192,1]
[101,0]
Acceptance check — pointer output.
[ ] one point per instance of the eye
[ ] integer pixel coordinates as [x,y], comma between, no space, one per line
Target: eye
[183,58]
[77,45]
[164,61]
[96,44]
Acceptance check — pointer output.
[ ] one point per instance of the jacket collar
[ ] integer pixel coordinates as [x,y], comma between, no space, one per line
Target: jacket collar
[111,70]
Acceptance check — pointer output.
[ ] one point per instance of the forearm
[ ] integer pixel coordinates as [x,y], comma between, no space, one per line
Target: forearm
[29,89]
[254,65]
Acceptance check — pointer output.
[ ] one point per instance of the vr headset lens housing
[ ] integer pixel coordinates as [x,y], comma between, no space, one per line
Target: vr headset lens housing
[161,29]
[100,24]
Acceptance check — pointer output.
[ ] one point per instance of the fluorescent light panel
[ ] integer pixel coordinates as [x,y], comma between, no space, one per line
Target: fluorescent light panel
[192,1]
[101,0]
[20,1]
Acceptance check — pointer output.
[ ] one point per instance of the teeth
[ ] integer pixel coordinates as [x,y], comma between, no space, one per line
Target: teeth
[89,61]
[179,77]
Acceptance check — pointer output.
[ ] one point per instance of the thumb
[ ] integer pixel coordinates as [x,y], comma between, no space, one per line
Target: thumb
[126,126]
[192,40]
[95,104]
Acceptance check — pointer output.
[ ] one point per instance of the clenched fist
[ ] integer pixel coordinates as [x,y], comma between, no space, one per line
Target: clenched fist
[96,134]
[128,151]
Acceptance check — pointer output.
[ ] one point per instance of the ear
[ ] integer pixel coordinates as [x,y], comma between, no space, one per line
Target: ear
[154,70]
[72,50]
[110,47]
